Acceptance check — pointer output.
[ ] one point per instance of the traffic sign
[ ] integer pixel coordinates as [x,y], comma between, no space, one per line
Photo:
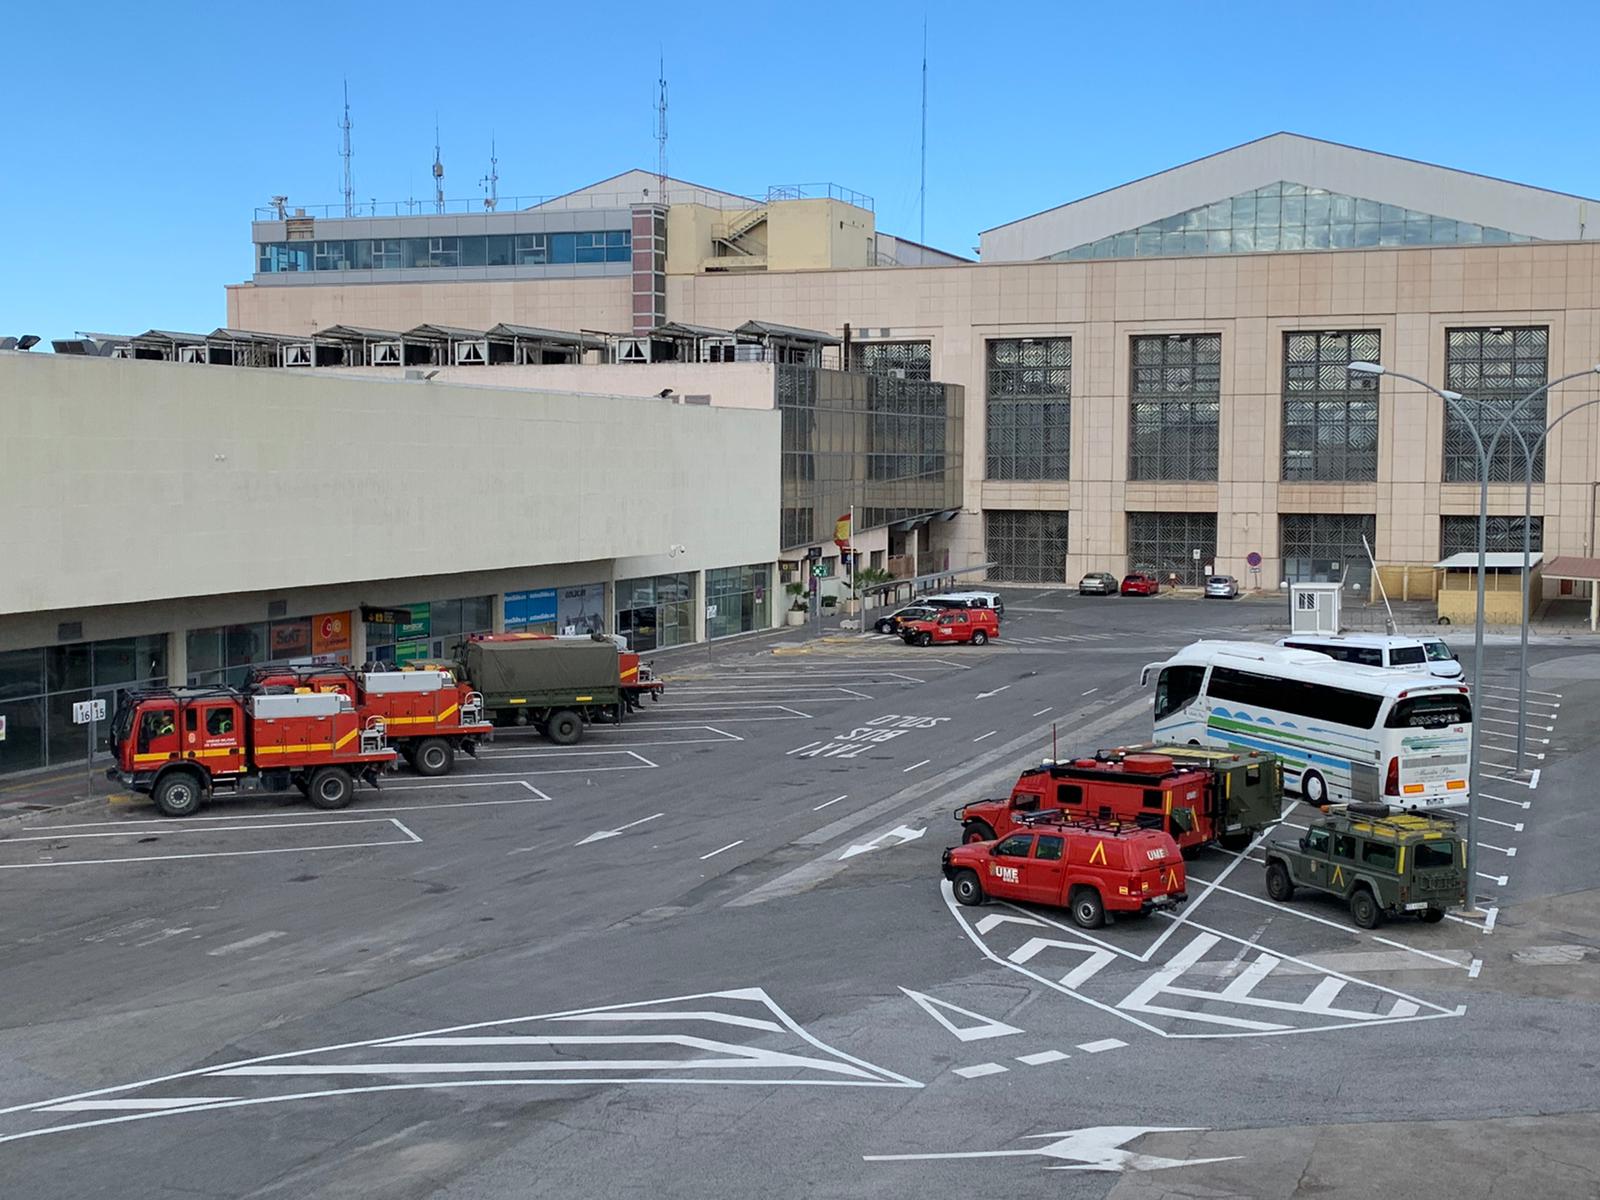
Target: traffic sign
[814,552]
[1253,559]
[819,571]
[84,711]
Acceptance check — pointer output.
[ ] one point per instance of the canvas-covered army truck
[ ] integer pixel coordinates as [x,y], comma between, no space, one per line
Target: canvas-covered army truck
[556,685]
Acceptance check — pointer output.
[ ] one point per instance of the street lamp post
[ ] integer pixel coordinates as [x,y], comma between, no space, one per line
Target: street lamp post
[1451,401]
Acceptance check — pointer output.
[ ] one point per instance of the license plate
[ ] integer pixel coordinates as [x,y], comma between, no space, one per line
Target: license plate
[1416,904]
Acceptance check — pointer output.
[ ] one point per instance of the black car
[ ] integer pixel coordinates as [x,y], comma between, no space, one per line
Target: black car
[913,612]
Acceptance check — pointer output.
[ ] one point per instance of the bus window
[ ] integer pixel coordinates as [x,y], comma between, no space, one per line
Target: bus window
[1176,687]
[1366,656]
[1430,712]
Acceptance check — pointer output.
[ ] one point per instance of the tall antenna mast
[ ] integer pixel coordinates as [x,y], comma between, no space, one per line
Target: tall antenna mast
[345,153]
[491,181]
[922,188]
[661,132]
[438,172]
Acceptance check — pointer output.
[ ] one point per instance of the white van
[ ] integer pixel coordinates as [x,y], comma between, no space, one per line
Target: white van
[1442,660]
[1366,650]
[989,600]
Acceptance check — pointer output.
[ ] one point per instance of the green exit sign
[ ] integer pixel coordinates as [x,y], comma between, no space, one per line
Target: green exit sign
[820,571]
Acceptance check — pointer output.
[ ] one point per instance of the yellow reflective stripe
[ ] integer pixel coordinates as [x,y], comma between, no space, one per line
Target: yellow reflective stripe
[408,720]
[139,758]
[346,739]
[1400,865]
[1099,854]
[578,699]
[220,752]
[308,748]
[516,700]
[449,712]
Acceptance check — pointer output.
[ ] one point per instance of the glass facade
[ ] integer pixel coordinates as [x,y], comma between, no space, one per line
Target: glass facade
[489,250]
[738,600]
[1289,216]
[890,447]
[224,654]
[38,688]
[433,632]
[1177,400]
[1326,547]
[1026,546]
[1459,535]
[914,359]
[1494,368]
[1164,544]
[1028,417]
[656,611]
[1330,416]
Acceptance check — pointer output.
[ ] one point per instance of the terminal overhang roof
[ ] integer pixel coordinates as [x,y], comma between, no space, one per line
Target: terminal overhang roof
[452,333]
[791,333]
[553,337]
[168,337]
[680,329]
[355,333]
[224,334]
[1499,560]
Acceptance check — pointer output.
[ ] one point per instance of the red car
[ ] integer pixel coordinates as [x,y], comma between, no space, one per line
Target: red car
[975,625]
[1088,867]
[1140,584]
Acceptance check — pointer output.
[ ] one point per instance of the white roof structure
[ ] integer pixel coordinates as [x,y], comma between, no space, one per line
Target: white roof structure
[1496,560]
[1500,210]
[644,187]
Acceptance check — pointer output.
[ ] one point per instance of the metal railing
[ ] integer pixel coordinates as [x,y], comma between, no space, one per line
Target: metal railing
[820,191]
[427,207]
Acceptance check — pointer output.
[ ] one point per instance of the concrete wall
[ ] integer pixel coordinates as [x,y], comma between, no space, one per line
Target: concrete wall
[124,482]
[729,385]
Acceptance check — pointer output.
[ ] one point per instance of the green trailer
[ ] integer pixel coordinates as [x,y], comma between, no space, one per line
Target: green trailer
[556,685]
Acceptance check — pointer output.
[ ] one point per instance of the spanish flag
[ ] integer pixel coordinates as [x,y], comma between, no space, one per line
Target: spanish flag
[841,532]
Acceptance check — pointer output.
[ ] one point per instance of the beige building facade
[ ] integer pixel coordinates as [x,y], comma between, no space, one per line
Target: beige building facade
[1155,375]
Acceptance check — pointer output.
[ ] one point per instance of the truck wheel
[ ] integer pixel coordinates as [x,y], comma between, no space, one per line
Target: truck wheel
[564,728]
[1088,910]
[967,888]
[1313,789]
[434,756]
[1279,886]
[979,637]
[976,831]
[1432,915]
[331,787]
[1364,910]
[179,794]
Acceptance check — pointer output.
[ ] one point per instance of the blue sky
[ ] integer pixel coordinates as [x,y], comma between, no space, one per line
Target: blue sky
[140,137]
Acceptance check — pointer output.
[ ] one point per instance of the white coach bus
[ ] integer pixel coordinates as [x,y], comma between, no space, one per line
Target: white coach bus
[1344,732]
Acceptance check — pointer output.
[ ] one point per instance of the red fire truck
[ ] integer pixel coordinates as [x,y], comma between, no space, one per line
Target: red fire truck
[1087,867]
[1198,794]
[428,715]
[183,746]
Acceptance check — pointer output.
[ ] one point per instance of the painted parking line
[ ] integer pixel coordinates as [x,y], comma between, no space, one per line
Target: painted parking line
[1524,804]
[1513,724]
[990,734]
[620,736]
[914,766]
[1509,853]
[829,803]
[1531,691]
[1497,880]
[140,830]
[1514,826]
[639,763]
[1041,712]
[720,849]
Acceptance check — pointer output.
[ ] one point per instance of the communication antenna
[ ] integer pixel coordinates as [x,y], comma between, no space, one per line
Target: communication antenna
[922,187]
[661,131]
[438,173]
[345,153]
[491,182]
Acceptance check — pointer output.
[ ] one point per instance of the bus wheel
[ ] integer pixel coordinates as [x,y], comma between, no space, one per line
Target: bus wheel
[331,787]
[1313,789]
[178,795]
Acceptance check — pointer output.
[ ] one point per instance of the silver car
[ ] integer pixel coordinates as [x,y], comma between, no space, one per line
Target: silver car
[1222,587]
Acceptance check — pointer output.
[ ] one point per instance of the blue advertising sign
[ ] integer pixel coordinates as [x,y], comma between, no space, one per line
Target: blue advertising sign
[530,608]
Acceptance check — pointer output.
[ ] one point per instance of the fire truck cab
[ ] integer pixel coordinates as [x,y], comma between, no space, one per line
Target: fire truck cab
[182,746]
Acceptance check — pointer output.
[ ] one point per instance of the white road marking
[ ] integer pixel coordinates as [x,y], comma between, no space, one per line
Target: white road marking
[979,1071]
[903,834]
[1513,724]
[986,1027]
[914,766]
[990,734]
[1102,1046]
[135,1105]
[720,849]
[410,839]
[1515,827]
[1041,712]
[1091,691]
[249,943]
[1472,971]
[1524,804]
[725,733]
[985,695]
[1042,1057]
[1094,1149]
[835,800]
[797,749]
[1534,781]
[1513,691]
[1497,880]
[1511,853]
[601,835]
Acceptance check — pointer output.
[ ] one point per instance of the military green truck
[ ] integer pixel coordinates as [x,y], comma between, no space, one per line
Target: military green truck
[1381,864]
[557,685]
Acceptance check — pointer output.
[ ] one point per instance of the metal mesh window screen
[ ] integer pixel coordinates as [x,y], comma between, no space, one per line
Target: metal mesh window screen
[1493,369]
[1164,544]
[1177,390]
[1459,535]
[913,359]
[1326,547]
[1330,417]
[1028,417]
[1026,546]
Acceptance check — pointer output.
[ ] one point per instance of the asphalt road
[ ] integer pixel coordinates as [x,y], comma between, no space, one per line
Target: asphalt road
[650,965]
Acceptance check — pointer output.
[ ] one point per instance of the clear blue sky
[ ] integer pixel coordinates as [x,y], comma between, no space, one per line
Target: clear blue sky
[139,138]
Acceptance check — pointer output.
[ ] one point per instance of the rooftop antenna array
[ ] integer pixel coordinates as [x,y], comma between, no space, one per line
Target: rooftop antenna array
[345,153]
[491,181]
[438,172]
[661,131]
[922,188]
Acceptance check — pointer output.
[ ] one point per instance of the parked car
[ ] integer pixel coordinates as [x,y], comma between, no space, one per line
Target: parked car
[1140,584]
[975,625]
[989,600]
[1098,583]
[912,612]
[1222,587]
[1442,660]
